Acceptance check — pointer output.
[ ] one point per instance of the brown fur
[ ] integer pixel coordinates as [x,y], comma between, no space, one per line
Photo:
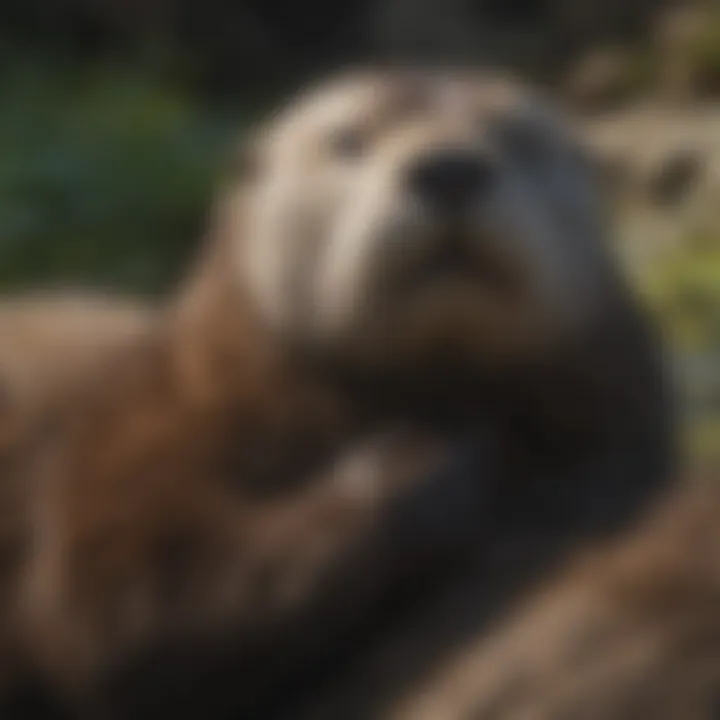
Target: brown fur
[50,340]
[167,447]
[631,631]
[570,471]
[167,499]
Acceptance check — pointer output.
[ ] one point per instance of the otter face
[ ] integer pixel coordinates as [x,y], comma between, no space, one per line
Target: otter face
[399,217]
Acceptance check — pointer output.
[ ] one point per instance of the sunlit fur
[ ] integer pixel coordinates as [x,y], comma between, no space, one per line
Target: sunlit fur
[50,340]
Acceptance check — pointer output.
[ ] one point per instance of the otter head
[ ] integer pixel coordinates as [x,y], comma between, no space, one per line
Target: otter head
[399,219]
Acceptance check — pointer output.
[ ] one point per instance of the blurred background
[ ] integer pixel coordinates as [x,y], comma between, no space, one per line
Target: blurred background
[115,114]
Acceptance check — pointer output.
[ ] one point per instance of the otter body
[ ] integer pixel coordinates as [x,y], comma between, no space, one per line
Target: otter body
[415,275]
[49,342]
[630,630]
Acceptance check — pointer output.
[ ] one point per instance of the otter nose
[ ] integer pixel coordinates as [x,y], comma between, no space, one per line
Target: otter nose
[451,179]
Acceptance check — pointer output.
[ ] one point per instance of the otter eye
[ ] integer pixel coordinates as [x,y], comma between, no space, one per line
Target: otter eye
[348,143]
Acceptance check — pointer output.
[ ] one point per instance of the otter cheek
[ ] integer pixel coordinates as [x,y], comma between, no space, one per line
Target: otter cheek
[277,221]
[351,264]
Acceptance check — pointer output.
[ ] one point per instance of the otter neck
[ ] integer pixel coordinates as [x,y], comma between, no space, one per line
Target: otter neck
[273,420]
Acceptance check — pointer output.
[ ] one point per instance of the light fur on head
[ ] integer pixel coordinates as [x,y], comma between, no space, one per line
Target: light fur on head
[327,232]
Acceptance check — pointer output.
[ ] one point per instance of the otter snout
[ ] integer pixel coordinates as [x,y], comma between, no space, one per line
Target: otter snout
[450,181]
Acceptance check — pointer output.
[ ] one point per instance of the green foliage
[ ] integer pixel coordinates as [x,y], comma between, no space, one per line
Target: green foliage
[105,177]
[684,290]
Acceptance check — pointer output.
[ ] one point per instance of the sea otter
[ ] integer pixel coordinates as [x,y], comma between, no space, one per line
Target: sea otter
[401,254]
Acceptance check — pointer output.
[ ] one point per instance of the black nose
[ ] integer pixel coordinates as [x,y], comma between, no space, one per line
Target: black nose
[450,180]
